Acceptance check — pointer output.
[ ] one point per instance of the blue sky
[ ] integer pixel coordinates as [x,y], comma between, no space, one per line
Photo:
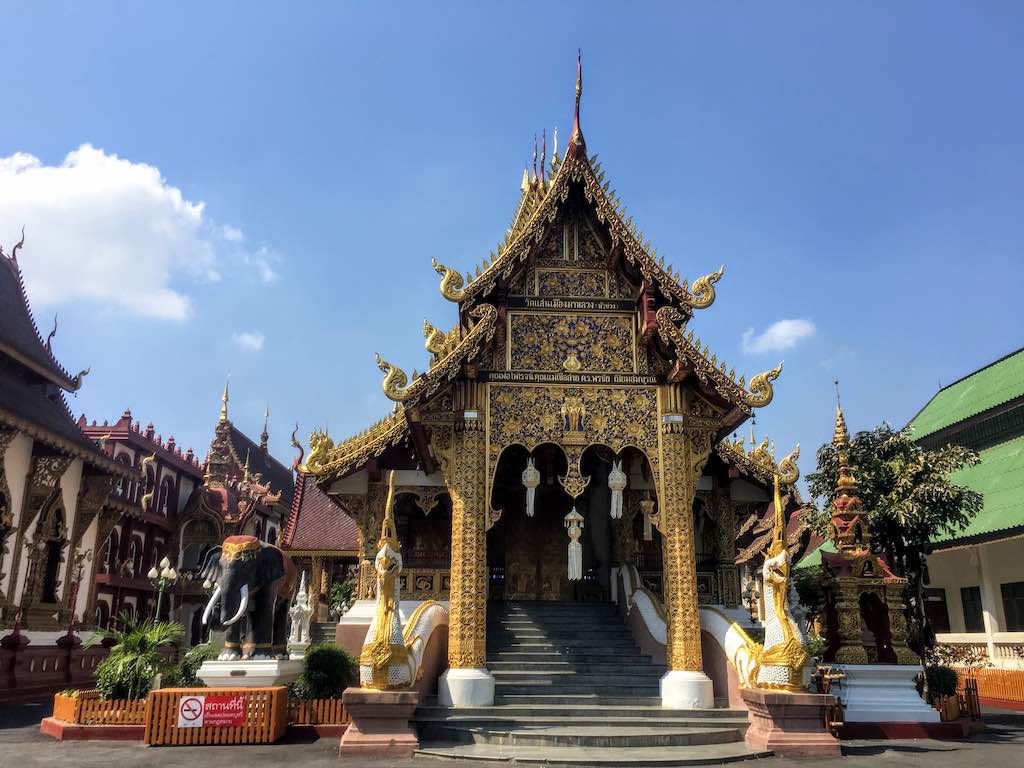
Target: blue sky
[283,177]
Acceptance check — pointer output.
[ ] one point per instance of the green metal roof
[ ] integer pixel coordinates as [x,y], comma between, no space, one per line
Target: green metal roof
[813,559]
[1000,479]
[986,388]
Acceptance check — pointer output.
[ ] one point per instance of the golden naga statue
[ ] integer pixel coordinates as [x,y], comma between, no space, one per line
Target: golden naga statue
[789,472]
[452,283]
[392,657]
[320,446]
[760,390]
[703,289]
[435,339]
[396,383]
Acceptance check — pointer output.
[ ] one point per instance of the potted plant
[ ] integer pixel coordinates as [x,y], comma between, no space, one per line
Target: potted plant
[942,685]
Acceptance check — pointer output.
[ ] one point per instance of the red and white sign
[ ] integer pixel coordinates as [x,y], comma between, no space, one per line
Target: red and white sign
[212,711]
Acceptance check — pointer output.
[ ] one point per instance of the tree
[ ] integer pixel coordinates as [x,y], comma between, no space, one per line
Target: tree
[908,500]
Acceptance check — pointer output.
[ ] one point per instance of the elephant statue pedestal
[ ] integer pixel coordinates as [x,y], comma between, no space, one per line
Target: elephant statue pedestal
[254,673]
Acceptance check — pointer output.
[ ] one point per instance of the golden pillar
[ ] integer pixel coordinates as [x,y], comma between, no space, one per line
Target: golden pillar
[468,594]
[685,448]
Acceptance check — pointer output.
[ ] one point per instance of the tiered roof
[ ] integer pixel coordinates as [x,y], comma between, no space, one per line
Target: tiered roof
[32,381]
[670,298]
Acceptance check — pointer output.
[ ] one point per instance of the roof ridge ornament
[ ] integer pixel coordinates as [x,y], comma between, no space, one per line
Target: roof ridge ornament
[224,399]
[396,382]
[452,284]
[703,289]
[760,390]
[577,146]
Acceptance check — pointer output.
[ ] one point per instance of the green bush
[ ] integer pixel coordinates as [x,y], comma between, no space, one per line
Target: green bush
[183,674]
[135,658]
[942,682]
[329,671]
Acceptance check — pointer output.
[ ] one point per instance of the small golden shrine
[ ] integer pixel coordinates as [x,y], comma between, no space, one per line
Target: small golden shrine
[864,608]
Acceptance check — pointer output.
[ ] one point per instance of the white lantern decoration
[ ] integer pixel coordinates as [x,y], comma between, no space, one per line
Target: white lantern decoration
[616,484]
[574,524]
[531,479]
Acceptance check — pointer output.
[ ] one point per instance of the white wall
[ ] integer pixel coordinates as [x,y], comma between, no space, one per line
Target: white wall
[16,462]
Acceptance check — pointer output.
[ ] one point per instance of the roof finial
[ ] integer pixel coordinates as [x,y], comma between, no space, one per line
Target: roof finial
[49,339]
[576,143]
[534,179]
[388,530]
[224,399]
[554,147]
[265,435]
[543,152]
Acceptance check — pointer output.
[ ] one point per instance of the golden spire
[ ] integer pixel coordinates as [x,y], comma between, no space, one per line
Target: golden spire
[388,534]
[849,530]
[265,434]
[554,148]
[224,400]
[779,529]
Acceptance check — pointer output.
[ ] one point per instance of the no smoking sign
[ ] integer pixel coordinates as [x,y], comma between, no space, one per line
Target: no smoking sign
[190,711]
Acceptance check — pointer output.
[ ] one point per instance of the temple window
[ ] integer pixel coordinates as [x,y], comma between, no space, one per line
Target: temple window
[1013,605]
[133,554]
[165,496]
[970,598]
[109,560]
[53,547]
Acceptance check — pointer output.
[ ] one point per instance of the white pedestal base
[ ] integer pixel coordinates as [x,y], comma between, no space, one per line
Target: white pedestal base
[250,674]
[687,690]
[297,651]
[465,688]
[883,693]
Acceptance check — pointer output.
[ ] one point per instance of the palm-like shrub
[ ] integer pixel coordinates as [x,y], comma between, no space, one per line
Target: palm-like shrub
[128,672]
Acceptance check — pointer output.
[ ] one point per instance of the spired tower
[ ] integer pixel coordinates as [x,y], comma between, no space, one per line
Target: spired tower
[569,361]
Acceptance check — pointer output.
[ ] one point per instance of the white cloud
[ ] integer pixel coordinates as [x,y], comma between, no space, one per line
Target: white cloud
[104,229]
[262,262]
[251,341]
[779,336]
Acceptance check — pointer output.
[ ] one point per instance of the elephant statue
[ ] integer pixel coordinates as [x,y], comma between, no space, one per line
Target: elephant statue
[255,583]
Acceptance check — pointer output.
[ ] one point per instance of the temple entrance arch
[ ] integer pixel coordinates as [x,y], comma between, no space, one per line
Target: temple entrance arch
[528,547]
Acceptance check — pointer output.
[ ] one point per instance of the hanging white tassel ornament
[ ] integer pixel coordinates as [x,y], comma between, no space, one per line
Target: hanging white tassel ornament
[616,484]
[574,524]
[531,479]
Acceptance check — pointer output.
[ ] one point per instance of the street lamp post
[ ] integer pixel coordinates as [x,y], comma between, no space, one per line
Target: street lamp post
[161,580]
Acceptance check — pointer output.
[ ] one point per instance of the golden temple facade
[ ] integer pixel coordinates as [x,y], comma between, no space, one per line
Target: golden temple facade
[569,374]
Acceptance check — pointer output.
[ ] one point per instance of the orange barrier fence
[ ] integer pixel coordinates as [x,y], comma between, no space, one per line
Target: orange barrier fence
[262,719]
[1005,684]
[316,712]
[86,708]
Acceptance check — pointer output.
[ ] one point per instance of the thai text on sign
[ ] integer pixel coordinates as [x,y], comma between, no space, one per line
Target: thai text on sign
[211,711]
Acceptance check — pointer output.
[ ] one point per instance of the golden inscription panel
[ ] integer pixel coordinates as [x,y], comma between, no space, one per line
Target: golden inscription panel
[573,342]
[577,283]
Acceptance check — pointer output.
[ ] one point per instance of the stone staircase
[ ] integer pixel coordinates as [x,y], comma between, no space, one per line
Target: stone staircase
[571,688]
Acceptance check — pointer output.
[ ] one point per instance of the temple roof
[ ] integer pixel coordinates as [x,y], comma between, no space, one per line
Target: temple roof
[317,523]
[574,177]
[19,335]
[989,387]
[32,382]
[263,464]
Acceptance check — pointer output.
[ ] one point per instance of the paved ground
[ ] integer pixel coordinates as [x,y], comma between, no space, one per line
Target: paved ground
[22,746]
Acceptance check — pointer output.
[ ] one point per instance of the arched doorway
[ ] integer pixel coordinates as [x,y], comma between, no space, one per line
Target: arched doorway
[528,555]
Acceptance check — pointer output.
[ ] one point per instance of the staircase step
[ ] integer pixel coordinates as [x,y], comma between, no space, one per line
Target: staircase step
[575,676]
[661,757]
[574,735]
[579,707]
[561,664]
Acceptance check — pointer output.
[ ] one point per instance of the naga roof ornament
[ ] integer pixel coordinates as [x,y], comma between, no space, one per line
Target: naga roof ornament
[451,282]
[703,289]
[396,382]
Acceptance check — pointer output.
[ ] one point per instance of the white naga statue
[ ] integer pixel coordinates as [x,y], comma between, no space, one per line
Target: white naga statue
[783,662]
[391,657]
[574,524]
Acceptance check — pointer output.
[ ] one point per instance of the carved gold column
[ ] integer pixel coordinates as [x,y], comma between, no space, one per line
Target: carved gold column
[367,512]
[851,647]
[686,440]
[463,447]
[898,623]
[468,595]
[728,574]
[685,448]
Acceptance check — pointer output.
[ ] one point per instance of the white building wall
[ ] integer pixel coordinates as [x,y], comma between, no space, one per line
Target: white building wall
[17,460]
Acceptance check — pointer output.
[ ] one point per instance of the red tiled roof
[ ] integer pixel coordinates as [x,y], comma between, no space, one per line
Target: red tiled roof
[317,522]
